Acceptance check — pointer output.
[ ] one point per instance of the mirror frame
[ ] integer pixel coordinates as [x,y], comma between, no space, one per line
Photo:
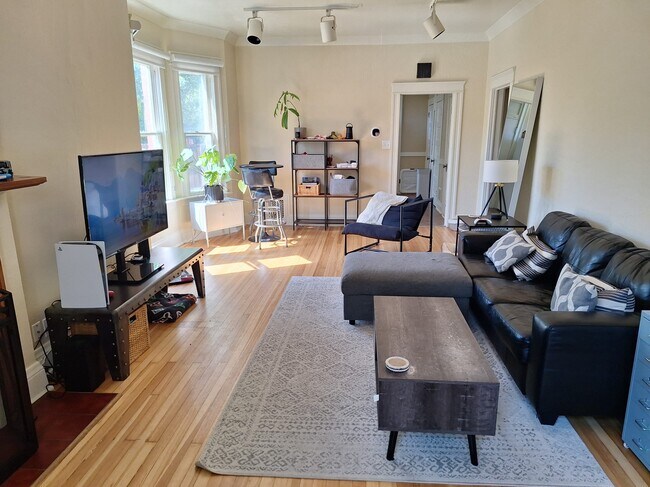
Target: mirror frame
[530,128]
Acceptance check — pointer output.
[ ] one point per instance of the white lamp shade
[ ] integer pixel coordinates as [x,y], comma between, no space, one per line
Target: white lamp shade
[255,29]
[328,29]
[433,25]
[504,171]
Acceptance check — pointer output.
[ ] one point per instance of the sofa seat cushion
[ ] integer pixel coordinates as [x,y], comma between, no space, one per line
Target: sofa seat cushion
[405,274]
[480,266]
[589,250]
[513,324]
[489,291]
[381,232]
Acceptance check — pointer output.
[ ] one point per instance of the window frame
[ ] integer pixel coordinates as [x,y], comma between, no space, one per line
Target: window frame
[156,61]
[212,69]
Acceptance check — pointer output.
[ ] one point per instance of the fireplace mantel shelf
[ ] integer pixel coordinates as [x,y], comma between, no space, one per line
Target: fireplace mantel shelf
[21,182]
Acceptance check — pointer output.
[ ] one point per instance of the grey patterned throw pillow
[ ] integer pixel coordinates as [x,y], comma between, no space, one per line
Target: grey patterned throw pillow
[573,293]
[508,250]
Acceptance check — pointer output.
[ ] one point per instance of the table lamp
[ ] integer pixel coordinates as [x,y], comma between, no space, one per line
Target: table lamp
[499,173]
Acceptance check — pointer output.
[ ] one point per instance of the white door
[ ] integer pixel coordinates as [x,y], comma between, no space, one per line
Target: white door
[435,120]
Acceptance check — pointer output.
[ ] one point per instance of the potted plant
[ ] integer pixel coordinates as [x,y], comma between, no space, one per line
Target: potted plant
[286,105]
[214,169]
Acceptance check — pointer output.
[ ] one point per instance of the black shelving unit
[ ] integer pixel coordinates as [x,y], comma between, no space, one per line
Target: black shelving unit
[318,164]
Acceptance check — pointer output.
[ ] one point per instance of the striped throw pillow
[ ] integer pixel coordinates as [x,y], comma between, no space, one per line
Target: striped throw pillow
[611,298]
[538,262]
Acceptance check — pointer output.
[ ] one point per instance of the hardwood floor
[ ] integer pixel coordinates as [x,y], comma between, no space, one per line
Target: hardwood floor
[152,433]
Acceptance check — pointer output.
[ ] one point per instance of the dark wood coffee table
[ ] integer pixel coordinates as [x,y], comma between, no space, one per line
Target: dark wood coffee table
[449,388]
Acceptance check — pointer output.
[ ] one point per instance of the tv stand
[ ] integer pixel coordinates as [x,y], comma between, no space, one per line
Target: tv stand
[112,322]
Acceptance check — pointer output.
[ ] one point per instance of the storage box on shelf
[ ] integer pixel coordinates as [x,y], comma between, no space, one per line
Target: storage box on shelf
[343,187]
[308,189]
[320,157]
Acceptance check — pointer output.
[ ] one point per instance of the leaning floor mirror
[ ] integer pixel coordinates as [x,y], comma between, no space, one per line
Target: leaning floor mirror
[518,130]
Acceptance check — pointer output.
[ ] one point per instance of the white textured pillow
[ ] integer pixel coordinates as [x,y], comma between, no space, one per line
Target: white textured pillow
[611,298]
[573,293]
[508,250]
[538,262]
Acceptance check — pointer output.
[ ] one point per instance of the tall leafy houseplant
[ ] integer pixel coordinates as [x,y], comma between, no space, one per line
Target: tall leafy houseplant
[215,170]
[286,105]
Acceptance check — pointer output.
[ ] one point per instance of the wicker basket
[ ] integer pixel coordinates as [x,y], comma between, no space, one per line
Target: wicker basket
[309,190]
[138,333]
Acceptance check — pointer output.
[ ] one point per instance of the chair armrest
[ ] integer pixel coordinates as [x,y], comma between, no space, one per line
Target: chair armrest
[476,242]
[580,363]
[345,206]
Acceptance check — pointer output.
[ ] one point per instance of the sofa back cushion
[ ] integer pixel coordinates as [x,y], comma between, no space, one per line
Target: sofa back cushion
[631,268]
[589,250]
[556,228]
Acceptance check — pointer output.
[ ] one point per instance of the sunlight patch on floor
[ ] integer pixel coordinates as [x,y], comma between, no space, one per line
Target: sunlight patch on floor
[231,249]
[289,261]
[232,268]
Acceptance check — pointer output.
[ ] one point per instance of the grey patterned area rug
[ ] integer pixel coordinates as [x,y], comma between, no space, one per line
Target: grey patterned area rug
[303,407]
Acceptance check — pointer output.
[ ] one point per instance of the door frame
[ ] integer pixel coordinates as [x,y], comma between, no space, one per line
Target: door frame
[457,91]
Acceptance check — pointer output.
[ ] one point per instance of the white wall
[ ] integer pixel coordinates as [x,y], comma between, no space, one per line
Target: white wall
[592,144]
[67,89]
[340,84]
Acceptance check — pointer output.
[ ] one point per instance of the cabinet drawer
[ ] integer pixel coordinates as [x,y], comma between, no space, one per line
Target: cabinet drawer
[644,328]
[224,215]
[642,358]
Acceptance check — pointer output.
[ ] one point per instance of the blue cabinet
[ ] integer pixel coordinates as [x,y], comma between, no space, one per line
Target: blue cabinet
[636,428]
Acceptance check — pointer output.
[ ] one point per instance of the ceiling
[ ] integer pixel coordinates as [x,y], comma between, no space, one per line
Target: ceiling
[374,22]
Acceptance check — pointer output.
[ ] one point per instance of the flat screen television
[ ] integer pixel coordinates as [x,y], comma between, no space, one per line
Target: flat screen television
[124,204]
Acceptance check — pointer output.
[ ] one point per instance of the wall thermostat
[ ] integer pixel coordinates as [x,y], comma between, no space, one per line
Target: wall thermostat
[375,132]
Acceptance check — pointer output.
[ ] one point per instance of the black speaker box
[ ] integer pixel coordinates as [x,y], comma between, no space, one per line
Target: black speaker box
[85,367]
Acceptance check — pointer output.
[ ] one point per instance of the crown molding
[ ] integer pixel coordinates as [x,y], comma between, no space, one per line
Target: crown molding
[511,17]
[152,15]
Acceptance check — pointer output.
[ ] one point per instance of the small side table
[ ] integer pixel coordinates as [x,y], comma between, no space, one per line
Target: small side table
[501,224]
[208,216]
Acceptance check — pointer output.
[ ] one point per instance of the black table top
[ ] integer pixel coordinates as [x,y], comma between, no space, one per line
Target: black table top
[502,222]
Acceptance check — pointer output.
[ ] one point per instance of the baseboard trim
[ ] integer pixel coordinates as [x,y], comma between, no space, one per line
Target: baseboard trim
[36,381]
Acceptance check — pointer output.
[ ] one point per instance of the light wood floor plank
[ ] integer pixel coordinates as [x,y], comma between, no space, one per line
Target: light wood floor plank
[167,408]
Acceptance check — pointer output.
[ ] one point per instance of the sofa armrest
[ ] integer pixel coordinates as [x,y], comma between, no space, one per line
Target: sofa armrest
[580,363]
[476,242]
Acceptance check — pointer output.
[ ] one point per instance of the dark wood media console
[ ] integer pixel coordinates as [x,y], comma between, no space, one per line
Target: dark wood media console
[112,322]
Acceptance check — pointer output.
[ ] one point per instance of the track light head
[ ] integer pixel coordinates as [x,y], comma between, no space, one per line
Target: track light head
[328,27]
[432,24]
[255,29]
[135,26]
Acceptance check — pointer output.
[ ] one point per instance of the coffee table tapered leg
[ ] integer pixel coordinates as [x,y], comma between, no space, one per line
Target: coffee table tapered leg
[473,454]
[392,441]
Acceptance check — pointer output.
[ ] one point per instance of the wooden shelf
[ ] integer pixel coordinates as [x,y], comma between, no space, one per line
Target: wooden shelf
[19,182]
[321,195]
[325,140]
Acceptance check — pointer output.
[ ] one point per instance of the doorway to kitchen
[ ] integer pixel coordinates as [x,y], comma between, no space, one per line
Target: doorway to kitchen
[426,142]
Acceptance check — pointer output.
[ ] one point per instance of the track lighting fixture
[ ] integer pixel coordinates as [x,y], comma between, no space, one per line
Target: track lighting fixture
[255,29]
[135,26]
[432,24]
[328,27]
[327,23]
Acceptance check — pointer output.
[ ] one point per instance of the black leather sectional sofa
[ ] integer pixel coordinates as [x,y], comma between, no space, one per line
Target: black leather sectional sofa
[567,363]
